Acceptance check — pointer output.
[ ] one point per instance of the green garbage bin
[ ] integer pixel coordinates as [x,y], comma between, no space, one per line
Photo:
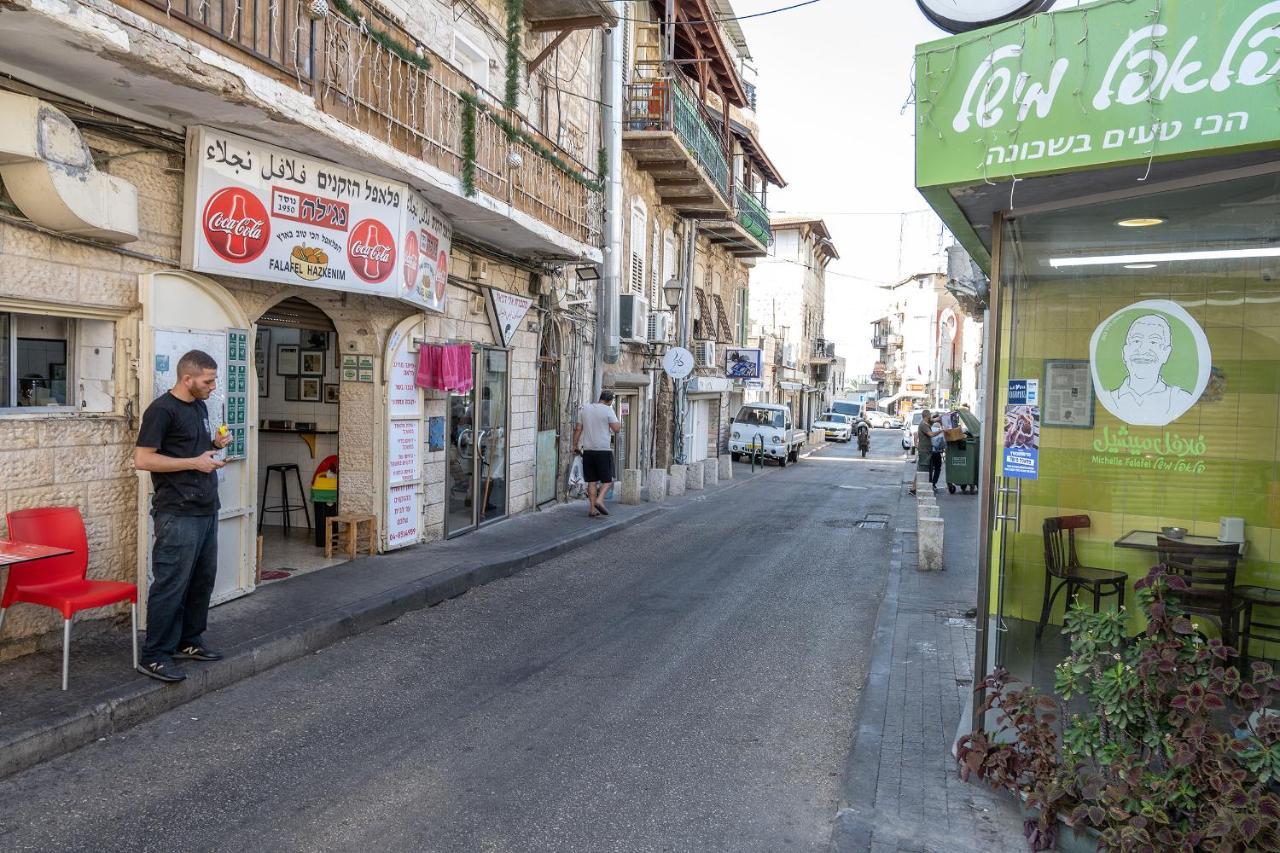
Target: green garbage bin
[962,465]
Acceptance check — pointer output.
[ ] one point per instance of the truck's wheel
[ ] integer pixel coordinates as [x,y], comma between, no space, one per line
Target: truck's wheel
[735,456]
[782,460]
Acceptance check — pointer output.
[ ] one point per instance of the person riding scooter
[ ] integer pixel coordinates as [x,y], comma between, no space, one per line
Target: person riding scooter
[863,430]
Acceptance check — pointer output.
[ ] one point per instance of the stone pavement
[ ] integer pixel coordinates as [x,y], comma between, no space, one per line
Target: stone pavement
[280,622]
[902,791]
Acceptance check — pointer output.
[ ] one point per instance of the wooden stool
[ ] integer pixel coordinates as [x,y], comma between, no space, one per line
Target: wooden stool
[351,533]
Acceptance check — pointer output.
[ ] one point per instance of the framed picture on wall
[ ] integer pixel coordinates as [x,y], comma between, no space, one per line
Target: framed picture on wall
[331,392]
[1067,395]
[333,347]
[291,389]
[286,360]
[309,389]
[262,361]
[312,363]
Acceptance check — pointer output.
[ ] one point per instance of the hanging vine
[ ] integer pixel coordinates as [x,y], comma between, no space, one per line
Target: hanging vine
[379,35]
[468,145]
[515,15]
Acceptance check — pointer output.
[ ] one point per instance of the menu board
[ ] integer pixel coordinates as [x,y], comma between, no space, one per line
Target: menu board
[1068,394]
[402,382]
[259,211]
[237,391]
[403,464]
[403,514]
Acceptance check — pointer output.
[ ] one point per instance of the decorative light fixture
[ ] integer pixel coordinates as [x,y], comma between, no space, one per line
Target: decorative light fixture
[672,291]
[588,273]
[1140,221]
[1159,257]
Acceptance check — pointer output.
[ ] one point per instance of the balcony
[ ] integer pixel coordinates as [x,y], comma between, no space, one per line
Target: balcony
[879,341]
[668,134]
[747,234]
[547,15]
[824,352]
[350,77]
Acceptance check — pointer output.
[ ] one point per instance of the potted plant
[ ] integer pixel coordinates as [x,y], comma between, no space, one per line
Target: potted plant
[1175,751]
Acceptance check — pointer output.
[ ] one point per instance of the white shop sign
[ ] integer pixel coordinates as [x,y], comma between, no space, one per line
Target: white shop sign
[506,310]
[403,514]
[403,463]
[258,211]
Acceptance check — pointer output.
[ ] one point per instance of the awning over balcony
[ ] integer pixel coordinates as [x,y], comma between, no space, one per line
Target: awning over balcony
[549,15]
[700,48]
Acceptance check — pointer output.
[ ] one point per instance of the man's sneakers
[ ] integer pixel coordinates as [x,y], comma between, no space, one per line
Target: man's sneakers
[201,653]
[169,673]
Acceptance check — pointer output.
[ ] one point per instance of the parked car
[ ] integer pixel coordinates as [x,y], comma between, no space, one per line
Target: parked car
[835,426]
[909,431]
[882,420]
[768,429]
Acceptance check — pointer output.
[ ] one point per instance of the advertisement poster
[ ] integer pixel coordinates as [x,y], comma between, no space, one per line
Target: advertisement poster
[1022,441]
[1068,394]
[259,211]
[743,363]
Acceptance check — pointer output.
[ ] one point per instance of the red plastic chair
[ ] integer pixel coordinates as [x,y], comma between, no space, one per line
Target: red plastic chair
[59,582]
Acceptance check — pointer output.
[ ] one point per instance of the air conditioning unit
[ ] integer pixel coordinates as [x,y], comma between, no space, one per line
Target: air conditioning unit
[660,327]
[633,318]
[704,353]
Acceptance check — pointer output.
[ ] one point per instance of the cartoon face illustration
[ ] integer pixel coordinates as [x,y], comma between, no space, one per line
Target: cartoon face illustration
[1147,347]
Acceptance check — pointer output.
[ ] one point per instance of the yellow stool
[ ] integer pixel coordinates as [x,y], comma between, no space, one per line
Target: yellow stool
[351,533]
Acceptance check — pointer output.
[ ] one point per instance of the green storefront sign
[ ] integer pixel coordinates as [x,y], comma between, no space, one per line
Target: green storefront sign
[1107,83]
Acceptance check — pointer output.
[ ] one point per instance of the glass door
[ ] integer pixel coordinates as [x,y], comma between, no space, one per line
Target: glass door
[477,454]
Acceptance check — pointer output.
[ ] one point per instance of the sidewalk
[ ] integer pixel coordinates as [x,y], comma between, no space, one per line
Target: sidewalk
[282,621]
[902,791]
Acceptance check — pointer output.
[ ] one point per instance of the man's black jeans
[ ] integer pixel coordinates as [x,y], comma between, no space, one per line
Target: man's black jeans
[935,467]
[184,563]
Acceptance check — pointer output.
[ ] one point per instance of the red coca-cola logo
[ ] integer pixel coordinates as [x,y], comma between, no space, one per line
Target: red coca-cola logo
[236,225]
[371,251]
[411,261]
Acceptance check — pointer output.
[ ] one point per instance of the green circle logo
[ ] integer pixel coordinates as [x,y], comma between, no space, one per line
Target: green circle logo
[1150,362]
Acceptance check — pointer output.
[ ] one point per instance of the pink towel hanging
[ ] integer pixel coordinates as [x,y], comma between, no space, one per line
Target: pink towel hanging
[430,373]
[456,368]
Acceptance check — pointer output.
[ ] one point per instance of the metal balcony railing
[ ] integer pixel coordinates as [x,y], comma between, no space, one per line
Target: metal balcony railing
[414,110]
[665,104]
[753,217]
[824,349]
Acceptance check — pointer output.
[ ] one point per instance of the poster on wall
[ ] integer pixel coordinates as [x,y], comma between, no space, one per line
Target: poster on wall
[1068,394]
[742,363]
[254,210]
[1150,362]
[1022,430]
[402,387]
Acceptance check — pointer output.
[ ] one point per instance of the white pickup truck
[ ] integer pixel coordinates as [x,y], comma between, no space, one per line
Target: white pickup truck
[767,429]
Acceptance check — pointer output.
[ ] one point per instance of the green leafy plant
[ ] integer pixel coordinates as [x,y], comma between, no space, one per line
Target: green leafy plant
[468,146]
[379,35]
[1175,752]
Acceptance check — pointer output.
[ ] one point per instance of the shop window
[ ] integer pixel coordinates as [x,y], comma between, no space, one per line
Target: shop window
[55,363]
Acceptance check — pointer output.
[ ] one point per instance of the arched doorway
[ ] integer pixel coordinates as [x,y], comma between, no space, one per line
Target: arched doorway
[297,366]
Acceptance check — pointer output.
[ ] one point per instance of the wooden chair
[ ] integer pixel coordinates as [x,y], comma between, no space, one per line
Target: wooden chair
[1063,566]
[350,533]
[1210,573]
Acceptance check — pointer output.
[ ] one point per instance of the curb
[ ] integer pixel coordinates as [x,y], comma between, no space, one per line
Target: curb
[854,826]
[146,699]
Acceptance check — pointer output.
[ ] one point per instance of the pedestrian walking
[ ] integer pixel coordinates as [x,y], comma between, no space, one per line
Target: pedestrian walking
[593,438]
[176,444]
[929,445]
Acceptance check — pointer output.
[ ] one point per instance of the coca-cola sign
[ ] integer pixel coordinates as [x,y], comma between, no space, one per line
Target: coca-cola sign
[256,211]
[236,225]
[371,250]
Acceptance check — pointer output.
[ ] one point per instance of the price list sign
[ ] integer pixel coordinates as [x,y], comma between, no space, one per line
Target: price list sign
[237,392]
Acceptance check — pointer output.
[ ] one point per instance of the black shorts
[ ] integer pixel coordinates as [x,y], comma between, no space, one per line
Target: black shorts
[597,466]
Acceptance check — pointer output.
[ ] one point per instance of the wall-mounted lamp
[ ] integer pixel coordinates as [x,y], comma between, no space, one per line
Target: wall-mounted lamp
[588,273]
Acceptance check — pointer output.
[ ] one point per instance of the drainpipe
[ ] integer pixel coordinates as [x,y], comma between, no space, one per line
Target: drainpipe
[688,251]
[608,344]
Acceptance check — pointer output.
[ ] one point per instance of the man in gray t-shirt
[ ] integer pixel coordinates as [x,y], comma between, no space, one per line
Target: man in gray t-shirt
[593,437]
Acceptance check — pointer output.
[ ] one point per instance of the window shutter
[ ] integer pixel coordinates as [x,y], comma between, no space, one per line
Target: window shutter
[639,220]
[656,271]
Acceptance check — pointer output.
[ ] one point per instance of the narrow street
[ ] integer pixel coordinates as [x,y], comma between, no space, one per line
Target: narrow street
[691,683]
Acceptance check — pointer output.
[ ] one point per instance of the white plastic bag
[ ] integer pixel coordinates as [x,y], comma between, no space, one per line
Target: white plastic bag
[576,481]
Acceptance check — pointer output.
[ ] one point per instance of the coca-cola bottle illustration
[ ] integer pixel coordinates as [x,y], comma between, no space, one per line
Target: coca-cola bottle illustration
[372,268]
[237,239]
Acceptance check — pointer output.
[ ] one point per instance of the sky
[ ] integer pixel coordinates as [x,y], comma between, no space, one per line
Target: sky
[834,81]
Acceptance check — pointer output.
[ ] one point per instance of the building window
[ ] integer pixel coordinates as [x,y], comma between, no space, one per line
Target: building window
[740,315]
[471,60]
[55,363]
[639,225]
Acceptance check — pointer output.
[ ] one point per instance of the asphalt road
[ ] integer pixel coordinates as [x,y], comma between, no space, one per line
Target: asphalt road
[688,684]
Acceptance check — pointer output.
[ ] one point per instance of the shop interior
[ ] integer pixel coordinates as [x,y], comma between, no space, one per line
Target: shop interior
[1073,279]
[295,355]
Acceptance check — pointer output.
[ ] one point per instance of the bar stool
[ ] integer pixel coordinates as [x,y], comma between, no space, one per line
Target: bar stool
[285,506]
[350,533]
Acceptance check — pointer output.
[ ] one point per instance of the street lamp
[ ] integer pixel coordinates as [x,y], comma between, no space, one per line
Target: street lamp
[671,292]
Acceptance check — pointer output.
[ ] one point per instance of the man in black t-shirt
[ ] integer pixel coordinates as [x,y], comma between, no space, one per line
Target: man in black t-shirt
[177,446]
